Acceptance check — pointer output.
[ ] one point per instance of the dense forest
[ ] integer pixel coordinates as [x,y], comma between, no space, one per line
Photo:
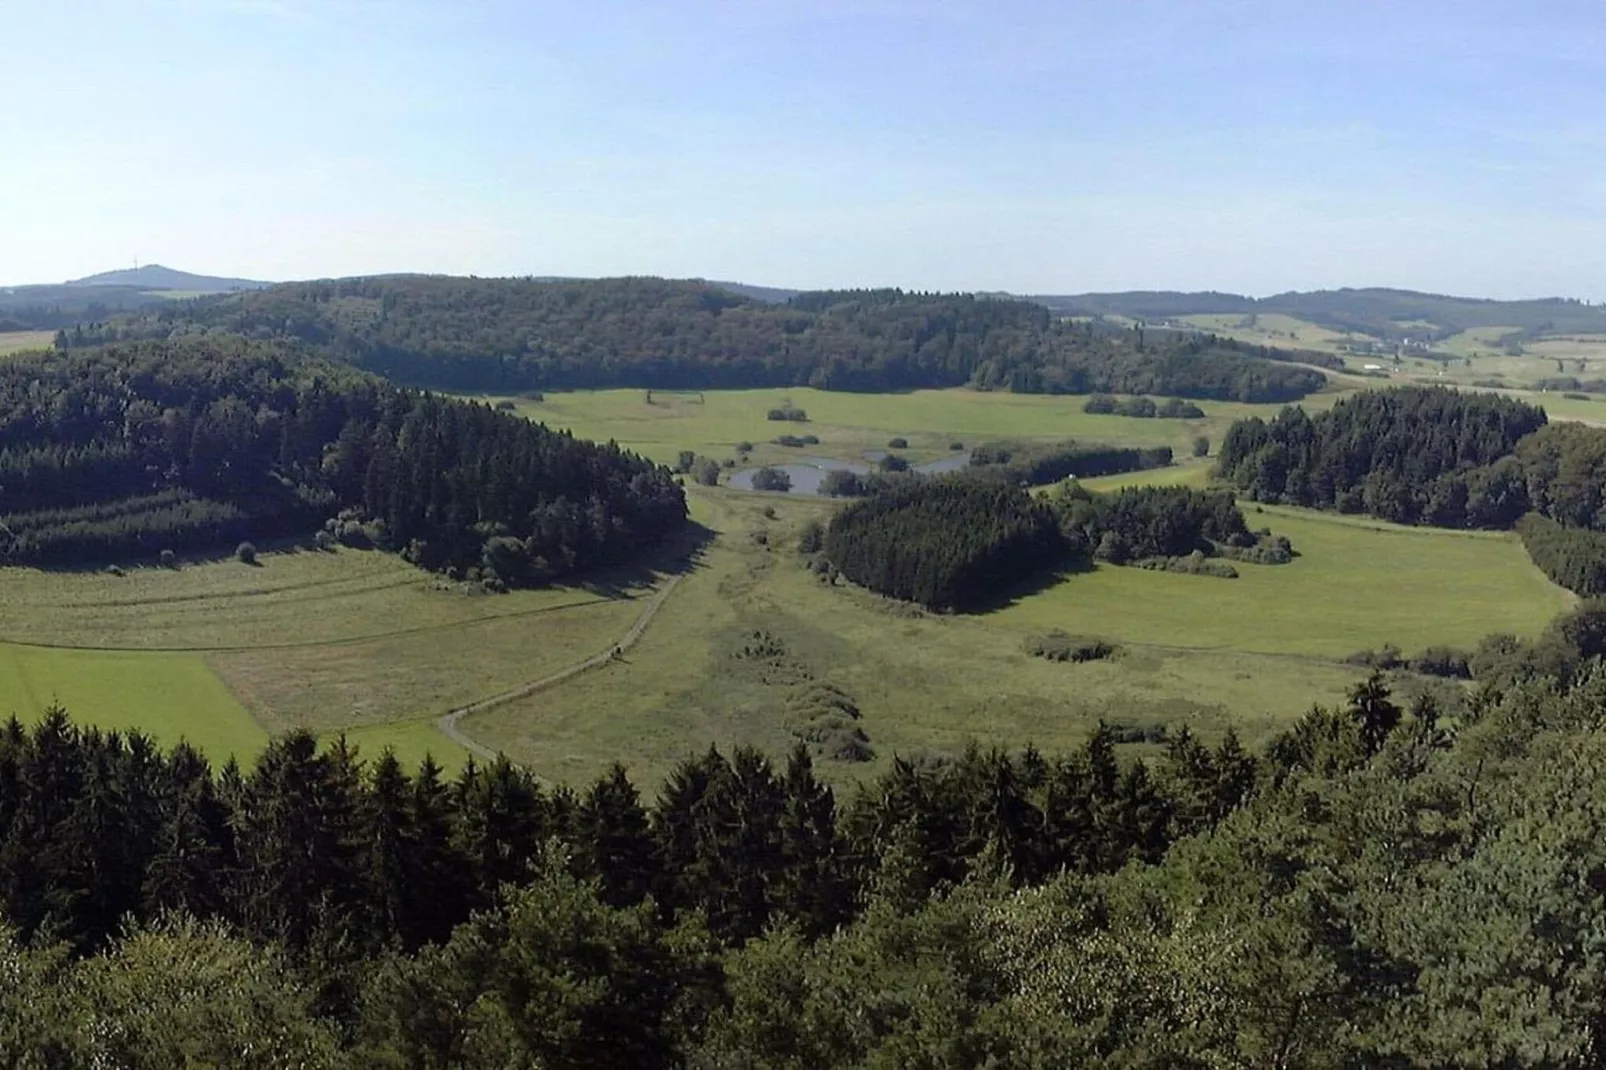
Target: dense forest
[1382,313]
[1037,463]
[139,448]
[1412,455]
[509,335]
[1380,886]
[946,543]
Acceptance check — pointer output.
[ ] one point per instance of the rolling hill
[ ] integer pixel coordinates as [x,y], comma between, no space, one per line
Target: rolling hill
[157,277]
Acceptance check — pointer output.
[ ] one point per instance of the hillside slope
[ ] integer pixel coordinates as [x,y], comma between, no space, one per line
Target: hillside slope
[509,335]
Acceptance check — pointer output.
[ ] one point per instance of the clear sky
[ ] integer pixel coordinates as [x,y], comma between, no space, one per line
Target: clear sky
[1037,147]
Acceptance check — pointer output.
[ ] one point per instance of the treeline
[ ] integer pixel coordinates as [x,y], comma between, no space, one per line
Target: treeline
[1378,886]
[508,335]
[1574,558]
[947,543]
[1135,523]
[1412,455]
[137,448]
[1142,408]
[1037,463]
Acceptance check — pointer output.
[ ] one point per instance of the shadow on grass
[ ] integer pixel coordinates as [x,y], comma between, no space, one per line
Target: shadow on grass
[686,553]
[1036,583]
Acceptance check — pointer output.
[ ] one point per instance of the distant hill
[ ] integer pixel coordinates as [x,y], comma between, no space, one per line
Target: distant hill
[157,277]
[1381,313]
[509,335]
[770,295]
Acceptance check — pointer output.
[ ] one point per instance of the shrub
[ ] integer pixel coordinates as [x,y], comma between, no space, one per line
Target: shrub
[245,553]
[769,512]
[1194,564]
[684,461]
[533,395]
[168,559]
[772,479]
[809,440]
[1099,405]
[507,406]
[1443,661]
[1061,646]
[744,447]
[324,540]
[897,444]
[788,413]
[788,440]
[811,538]
[113,570]
[892,463]
[956,446]
[706,472]
[841,483]
[1201,446]
[1386,658]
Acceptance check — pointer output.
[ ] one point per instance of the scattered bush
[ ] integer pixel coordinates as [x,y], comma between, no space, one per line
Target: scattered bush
[1201,446]
[893,463]
[898,444]
[789,440]
[684,460]
[772,479]
[114,570]
[956,446]
[788,413]
[1061,646]
[1121,732]
[841,483]
[245,553]
[168,559]
[506,405]
[1194,564]
[769,512]
[1267,550]
[810,440]
[1385,659]
[1443,661]
[811,538]
[744,447]
[533,395]
[324,540]
[706,472]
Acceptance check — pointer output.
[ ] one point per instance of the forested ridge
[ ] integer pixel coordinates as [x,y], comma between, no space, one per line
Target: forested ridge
[507,335]
[1380,885]
[138,448]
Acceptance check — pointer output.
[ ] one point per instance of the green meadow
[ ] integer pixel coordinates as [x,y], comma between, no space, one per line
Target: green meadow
[931,421]
[19,341]
[362,644]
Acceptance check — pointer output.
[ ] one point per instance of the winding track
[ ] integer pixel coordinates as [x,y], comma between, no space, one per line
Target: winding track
[448,721]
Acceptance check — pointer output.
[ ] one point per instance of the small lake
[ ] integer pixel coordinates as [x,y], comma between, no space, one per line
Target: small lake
[807,473]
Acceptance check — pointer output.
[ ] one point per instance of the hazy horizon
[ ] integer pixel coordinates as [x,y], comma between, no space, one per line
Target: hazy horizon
[1243,147]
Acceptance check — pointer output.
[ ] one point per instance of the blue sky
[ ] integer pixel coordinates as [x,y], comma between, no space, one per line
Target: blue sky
[1027,146]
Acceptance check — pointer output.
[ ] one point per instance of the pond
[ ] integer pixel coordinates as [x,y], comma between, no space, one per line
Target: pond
[807,473]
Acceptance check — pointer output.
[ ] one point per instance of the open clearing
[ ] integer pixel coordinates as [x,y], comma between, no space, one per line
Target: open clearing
[1275,329]
[1250,653]
[353,641]
[18,341]
[362,643]
[850,424]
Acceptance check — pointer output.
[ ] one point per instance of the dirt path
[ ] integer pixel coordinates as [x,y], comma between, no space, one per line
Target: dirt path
[448,721]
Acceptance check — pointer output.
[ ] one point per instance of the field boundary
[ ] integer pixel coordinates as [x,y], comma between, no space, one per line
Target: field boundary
[448,722]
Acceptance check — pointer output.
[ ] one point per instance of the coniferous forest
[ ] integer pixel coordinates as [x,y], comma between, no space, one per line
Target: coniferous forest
[138,448]
[508,335]
[1441,457]
[1357,893]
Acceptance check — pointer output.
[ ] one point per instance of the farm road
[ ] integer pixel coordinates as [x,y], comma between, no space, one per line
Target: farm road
[449,721]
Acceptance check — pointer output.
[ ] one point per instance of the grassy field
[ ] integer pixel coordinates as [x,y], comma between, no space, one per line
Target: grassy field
[849,424]
[18,341]
[361,643]
[167,696]
[1250,653]
[352,641]
[1274,329]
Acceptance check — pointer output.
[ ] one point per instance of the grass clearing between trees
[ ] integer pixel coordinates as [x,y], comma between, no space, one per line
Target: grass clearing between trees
[850,424]
[1251,654]
[20,341]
